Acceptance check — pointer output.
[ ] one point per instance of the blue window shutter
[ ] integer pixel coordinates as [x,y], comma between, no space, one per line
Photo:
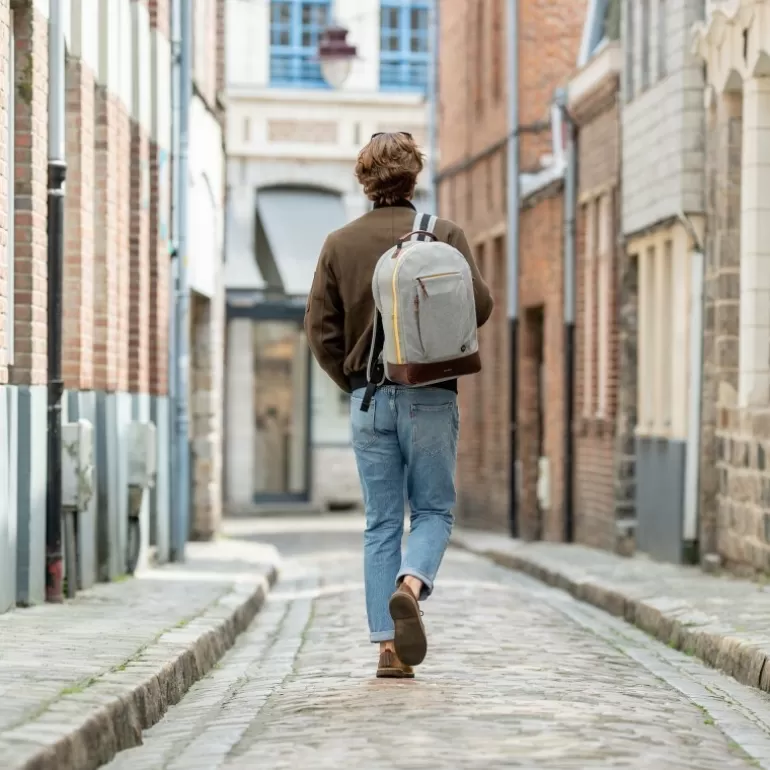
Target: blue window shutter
[403,21]
[295,29]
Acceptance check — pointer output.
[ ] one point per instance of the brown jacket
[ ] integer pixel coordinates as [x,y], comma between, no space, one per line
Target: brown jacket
[340,308]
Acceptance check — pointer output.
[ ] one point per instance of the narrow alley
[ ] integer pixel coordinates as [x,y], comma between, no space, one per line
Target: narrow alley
[518,675]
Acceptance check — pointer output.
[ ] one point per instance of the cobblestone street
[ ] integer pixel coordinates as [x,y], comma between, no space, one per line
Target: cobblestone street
[517,675]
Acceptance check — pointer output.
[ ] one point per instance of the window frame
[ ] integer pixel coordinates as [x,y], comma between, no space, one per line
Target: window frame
[295,52]
[404,57]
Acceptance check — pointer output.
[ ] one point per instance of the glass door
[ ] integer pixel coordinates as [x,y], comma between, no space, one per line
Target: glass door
[281,416]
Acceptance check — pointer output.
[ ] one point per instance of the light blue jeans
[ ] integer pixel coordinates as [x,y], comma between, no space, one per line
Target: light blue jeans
[409,435]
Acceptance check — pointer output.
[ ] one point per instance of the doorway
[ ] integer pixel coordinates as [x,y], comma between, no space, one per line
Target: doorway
[281,417]
[535,331]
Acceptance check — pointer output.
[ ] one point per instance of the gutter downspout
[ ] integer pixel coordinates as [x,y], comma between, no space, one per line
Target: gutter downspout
[433,31]
[57,172]
[181,517]
[512,246]
[174,526]
[570,202]
[690,528]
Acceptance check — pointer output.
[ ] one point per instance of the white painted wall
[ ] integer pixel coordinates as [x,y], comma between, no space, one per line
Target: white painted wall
[663,127]
[206,218]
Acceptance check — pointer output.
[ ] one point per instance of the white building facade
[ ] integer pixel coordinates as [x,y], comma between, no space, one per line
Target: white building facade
[292,144]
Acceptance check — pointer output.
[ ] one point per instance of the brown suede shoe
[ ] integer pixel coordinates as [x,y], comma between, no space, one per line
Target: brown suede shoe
[390,667]
[410,642]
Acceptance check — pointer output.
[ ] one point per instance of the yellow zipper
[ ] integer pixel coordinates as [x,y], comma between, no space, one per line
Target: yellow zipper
[394,288]
[437,275]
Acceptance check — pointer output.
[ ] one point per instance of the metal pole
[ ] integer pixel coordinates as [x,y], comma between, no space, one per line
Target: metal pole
[513,251]
[433,38]
[57,172]
[175,527]
[182,503]
[570,199]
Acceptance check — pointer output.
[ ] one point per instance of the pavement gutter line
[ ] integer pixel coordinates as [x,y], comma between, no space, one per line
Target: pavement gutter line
[113,713]
[743,661]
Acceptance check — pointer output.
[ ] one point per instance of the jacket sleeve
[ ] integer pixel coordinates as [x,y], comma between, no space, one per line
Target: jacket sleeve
[482,295]
[325,320]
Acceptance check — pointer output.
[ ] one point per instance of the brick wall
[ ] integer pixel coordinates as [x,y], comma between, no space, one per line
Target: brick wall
[123,134]
[159,260]
[541,292]
[106,268]
[139,279]
[473,126]
[78,329]
[604,443]
[548,48]
[31,180]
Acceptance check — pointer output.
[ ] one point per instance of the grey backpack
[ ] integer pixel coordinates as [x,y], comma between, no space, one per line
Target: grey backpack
[425,313]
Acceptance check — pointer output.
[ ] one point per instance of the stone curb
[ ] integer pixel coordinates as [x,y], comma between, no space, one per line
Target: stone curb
[86,729]
[719,647]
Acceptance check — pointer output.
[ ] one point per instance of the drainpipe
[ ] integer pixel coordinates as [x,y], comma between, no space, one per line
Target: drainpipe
[174,527]
[512,245]
[182,307]
[433,31]
[690,528]
[57,171]
[570,202]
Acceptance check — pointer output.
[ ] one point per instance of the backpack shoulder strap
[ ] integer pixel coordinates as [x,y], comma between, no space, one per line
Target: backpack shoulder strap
[375,368]
[424,222]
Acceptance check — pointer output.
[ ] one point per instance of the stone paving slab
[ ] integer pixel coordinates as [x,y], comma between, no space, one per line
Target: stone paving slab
[723,620]
[80,681]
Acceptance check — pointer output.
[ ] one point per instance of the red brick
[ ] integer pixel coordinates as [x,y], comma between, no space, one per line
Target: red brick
[31,184]
[473,121]
[78,329]
[139,277]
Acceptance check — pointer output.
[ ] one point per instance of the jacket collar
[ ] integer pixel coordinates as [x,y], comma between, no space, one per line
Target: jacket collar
[401,203]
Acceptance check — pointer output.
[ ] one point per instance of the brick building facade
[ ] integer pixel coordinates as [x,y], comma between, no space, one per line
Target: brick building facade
[472,191]
[605,391]
[115,272]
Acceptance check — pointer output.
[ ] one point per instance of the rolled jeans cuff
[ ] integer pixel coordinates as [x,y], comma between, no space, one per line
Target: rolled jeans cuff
[427,583]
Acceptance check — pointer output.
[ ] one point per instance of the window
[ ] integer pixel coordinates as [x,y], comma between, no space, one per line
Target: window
[295,28]
[662,47]
[645,76]
[404,49]
[480,49]
[10,315]
[498,51]
[629,45]
[603,303]
[597,306]
[661,314]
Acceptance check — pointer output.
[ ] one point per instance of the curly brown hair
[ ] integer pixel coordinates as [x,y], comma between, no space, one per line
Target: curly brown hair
[388,166]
